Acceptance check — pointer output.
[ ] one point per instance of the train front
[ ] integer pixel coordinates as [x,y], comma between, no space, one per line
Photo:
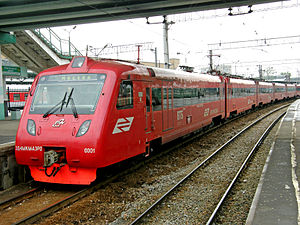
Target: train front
[57,135]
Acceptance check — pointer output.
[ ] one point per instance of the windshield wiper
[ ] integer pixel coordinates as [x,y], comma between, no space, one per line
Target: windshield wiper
[69,97]
[63,102]
[73,107]
[56,107]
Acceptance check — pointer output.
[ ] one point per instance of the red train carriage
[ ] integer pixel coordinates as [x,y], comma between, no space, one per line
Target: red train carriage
[279,91]
[241,95]
[88,115]
[265,93]
[291,90]
[297,89]
[17,96]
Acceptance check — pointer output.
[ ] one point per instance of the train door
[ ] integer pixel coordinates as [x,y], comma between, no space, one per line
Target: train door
[226,98]
[167,122]
[148,110]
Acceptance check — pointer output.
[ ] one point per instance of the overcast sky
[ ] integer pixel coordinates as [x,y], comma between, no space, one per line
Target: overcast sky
[191,38]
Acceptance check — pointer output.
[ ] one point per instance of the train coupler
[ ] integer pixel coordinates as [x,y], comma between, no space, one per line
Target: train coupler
[54,170]
[50,158]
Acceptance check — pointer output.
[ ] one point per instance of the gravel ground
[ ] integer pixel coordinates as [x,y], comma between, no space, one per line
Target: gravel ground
[238,204]
[196,199]
[121,201]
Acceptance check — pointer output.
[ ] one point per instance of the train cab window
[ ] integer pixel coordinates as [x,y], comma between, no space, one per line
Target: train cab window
[125,97]
[16,97]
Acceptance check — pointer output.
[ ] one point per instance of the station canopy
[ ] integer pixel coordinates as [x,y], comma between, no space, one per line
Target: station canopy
[31,14]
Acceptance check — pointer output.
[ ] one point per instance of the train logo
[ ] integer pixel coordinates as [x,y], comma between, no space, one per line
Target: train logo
[58,123]
[123,125]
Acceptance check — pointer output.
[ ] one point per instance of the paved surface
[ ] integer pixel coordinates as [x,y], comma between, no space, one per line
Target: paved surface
[8,130]
[277,196]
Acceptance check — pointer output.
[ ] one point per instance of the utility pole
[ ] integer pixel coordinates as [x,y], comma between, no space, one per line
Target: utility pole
[260,72]
[166,42]
[155,54]
[165,38]
[210,56]
[138,59]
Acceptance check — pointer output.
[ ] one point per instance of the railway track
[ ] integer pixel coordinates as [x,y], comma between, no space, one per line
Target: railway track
[24,209]
[156,211]
[15,199]
[65,198]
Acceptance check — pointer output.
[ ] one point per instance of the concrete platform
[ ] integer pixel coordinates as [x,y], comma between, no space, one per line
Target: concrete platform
[8,130]
[10,172]
[277,198]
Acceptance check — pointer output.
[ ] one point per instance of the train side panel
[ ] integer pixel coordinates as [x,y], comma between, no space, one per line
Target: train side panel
[195,106]
[291,90]
[279,91]
[265,93]
[241,95]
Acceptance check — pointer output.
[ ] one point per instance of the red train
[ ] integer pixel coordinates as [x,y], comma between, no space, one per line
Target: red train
[17,96]
[90,114]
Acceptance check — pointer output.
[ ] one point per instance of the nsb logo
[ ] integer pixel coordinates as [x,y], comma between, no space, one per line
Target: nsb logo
[123,125]
[58,123]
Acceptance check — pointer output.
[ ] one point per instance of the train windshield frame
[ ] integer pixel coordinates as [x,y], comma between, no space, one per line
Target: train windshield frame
[55,90]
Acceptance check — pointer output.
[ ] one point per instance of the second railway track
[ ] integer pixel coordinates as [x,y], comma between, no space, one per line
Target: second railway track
[197,198]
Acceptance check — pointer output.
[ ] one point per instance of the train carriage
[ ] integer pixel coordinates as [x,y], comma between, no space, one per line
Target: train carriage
[279,91]
[17,95]
[291,90]
[298,90]
[265,93]
[89,114]
[241,95]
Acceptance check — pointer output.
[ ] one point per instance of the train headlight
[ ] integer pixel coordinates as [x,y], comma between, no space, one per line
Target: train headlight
[31,127]
[83,128]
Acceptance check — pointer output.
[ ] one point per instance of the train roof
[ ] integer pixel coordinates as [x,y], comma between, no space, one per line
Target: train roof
[241,81]
[169,74]
[291,85]
[265,83]
[129,68]
[280,84]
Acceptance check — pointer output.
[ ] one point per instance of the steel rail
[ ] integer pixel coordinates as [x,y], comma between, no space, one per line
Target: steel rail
[243,166]
[67,200]
[157,202]
[18,198]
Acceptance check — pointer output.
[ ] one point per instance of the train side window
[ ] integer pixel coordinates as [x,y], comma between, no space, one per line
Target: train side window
[16,97]
[156,99]
[125,97]
[170,98]
[26,96]
[148,99]
[178,100]
[165,98]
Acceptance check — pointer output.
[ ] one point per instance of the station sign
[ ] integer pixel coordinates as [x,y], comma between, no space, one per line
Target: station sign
[14,71]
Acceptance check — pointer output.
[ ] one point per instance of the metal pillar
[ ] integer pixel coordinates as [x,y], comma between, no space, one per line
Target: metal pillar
[166,42]
[260,72]
[5,38]
[155,52]
[210,60]
[2,109]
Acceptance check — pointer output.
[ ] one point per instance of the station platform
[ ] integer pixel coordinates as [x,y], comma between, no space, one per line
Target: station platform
[8,130]
[277,197]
